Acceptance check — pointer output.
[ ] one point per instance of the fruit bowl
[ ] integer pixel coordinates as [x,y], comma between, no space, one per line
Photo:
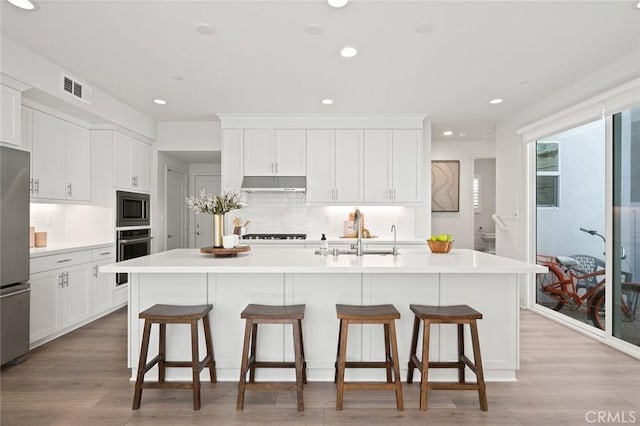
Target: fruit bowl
[440,246]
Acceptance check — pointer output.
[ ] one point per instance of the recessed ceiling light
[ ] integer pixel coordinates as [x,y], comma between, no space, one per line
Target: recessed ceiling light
[638,5]
[348,52]
[424,28]
[159,101]
[447,133]
[23,4]
[338,3]
[495,101]
[204,28]
[178,77]
[313,29]
[327,101]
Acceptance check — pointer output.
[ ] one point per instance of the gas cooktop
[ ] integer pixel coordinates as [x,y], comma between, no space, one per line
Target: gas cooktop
[274,237]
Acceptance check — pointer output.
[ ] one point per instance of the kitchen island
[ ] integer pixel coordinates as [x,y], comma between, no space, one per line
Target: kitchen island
[297,276]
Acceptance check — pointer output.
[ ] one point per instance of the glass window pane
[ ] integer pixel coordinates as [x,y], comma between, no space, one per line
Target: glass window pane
[547,156]
[547,191]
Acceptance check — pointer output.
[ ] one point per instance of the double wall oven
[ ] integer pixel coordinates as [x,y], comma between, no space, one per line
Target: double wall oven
[133,228]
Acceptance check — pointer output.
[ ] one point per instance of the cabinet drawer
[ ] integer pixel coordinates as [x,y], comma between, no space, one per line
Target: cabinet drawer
[103,253]
[63,260]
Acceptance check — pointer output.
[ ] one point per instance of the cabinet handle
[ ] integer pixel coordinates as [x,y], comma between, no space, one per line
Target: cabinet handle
[104,253]
[37,186]
[69,192]
[31,186]
[95,271]
[64,260]
[66,279]
[61,280]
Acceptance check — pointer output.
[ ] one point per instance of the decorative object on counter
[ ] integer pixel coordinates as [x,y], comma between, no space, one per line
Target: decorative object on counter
[274,237]
[441,243]
[349,228]
[324,245]
[230,241]
[218,206]
[225,252]
[32,236]
[445,186]
[40,239]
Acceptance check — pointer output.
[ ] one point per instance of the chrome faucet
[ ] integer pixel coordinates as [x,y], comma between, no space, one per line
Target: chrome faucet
[358,224]
[395,242]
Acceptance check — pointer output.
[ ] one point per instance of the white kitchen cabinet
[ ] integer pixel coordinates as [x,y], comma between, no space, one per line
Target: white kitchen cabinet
[232,159]
[76,294]
[274,152]
[10,114]
[45,304]
[334,166]
[102,284]
[60,158]
[392,166]
[131,163]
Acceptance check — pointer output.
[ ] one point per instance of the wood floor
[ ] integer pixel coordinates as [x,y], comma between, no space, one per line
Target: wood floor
[82,379]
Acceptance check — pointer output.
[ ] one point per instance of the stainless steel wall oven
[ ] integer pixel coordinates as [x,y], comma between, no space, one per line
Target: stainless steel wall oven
[132,243]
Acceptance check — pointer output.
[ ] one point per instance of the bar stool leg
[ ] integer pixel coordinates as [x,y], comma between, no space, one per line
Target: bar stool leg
[412,351]
[461,363]
[195,360]
[245,361]
[211,364]
[335,376]
[477,360]
[396,367]
[297,348]
[342,354]
[424,371]
[142,364]
[387,352]
[253,355]
[162,339]
[304,360]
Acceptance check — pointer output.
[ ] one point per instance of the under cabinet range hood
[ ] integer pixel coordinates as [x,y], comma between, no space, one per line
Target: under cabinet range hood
[274,183]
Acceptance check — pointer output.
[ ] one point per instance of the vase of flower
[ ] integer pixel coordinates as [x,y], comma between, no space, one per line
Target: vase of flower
[218,229]
[217,206]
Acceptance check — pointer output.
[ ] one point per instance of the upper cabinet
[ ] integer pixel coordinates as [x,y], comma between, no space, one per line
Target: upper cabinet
[10,115]
[131,163]
[60,158]
[334,166]
[274,152]
[392,166]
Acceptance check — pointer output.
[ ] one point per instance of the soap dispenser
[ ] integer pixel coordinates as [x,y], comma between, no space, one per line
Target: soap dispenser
[324,245]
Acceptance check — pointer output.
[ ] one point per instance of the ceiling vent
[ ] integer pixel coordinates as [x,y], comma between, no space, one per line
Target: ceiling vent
[76,89]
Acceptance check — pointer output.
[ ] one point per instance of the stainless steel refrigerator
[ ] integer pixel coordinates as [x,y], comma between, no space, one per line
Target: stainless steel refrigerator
[14,254]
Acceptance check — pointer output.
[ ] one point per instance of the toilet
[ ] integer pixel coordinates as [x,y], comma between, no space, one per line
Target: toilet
[490,239]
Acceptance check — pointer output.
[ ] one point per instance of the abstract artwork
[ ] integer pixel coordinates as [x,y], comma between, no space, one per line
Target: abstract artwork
[445,186]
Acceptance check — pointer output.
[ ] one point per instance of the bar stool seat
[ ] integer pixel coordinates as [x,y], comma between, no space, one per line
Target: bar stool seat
[174,314]
[372,314]
[457,314]
[270,314]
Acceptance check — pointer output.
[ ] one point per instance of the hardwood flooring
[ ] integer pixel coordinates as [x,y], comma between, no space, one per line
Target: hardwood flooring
[81,379]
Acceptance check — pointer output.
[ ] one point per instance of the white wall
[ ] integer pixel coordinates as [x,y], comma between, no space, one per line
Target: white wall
[188,136]
[164,161]
[459,224]
[485,169]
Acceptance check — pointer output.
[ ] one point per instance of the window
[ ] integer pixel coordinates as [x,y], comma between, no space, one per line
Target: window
[476,195]
[548,173]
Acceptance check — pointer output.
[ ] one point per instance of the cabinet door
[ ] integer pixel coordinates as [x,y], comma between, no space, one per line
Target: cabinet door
[10,115]
[259,153]
[26,133]
[320,166]
[291,153]
[348,166]
[140,165]
[377,166]
[121,161]
[407,166]
[76,295]
[102,286]
[48,156]
[45,304]
[78,161]
[232,159]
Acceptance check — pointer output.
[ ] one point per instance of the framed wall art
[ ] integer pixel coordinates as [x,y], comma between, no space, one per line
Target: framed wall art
[445,186]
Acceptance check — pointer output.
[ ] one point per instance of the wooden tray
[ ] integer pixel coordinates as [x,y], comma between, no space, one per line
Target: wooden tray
[225,252]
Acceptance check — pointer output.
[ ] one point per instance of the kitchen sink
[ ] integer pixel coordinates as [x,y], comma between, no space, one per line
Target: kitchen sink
[378,252]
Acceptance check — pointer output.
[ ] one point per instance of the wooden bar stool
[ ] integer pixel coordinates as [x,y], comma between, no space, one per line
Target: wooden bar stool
[458,314]
[265,314]
[173,314]
[375,314]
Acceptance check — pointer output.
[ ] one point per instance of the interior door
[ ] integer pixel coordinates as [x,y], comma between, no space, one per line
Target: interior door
[176,192]
[203,232]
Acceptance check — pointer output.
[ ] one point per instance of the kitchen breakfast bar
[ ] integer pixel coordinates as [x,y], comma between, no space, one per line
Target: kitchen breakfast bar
[266,276]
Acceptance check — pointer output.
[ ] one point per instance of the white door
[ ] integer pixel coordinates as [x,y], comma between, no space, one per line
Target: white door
[203,223]
[175,194]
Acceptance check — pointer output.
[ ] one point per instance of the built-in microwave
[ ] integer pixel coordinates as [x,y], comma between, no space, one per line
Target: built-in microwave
[132,209]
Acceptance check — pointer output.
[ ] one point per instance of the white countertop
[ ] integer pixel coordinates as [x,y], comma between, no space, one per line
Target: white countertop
[65,248]
[303,260]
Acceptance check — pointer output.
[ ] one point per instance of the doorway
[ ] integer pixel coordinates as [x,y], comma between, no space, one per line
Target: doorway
[484,204]
[175,209]
[202,231]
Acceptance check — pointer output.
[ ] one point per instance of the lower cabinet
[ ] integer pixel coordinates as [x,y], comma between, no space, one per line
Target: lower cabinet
[68,291]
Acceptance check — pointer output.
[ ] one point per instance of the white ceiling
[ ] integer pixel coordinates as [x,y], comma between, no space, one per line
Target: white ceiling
[260,59]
